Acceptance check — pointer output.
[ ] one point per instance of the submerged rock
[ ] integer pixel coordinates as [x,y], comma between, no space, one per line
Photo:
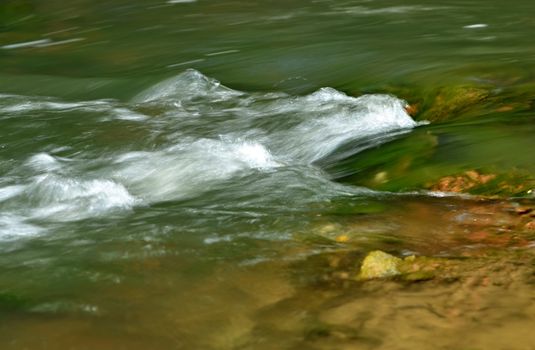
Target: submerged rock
[462,182]
[530,226]
[378,264]
[452,101]
[513,183]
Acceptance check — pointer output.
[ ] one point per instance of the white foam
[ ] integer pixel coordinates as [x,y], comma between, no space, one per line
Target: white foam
[310,126]
[476,26]
[25,106]
[255,155]
[188,169]
[61,42]
[126,114]
[43,162]
[10,192]
[392,10]
[209,137]
[61,198]
[114,110]
[65,307]
[39,43]
[13,226]
[219,53]
[26,44]
[328,94]
[184,63]
[334,118]
[186,86]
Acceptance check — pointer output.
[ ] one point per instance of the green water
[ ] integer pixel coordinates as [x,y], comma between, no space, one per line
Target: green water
[210,174]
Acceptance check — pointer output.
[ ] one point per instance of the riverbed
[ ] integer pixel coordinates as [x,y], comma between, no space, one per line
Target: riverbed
[199,174]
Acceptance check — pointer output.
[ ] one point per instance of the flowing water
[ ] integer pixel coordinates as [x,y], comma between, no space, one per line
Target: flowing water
[193,174]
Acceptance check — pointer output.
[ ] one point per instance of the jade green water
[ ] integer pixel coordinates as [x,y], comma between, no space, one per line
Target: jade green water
[210,174]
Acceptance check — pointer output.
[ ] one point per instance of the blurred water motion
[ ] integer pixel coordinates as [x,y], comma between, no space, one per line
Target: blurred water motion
[209,174]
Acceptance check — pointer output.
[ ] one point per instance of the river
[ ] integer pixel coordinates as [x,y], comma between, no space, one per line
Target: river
[201,174]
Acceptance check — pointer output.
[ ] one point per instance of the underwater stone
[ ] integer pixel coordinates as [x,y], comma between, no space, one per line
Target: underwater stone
[530,226]
[378,264]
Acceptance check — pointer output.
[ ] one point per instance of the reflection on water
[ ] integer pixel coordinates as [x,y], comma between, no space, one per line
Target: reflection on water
[147,205]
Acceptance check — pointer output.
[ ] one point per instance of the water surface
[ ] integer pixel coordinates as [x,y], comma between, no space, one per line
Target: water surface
[210,174]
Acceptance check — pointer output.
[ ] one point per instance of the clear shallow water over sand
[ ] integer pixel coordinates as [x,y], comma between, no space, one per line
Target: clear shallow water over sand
[209,175]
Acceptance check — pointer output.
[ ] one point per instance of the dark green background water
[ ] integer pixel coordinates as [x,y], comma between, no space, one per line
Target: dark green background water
[171,176]
[289,45]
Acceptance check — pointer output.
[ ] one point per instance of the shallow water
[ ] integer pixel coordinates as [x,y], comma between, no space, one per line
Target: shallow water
[209,175]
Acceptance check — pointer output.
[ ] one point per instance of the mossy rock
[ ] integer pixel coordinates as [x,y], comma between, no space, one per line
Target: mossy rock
[385,167]
[423,160]
[460,100]
[453,101]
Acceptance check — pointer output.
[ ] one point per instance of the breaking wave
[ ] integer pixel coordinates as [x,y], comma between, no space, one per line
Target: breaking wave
[200,136]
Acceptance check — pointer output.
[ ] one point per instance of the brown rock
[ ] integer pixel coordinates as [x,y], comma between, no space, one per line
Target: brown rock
[462,183]
[523,210]
[530,225]
[412,110]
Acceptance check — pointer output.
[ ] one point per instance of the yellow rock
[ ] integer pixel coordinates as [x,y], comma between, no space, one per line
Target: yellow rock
[378,264]
[381,177]
[342,238]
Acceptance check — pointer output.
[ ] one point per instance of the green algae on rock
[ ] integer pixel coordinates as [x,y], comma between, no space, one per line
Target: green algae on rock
[454,100]
[422,160]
